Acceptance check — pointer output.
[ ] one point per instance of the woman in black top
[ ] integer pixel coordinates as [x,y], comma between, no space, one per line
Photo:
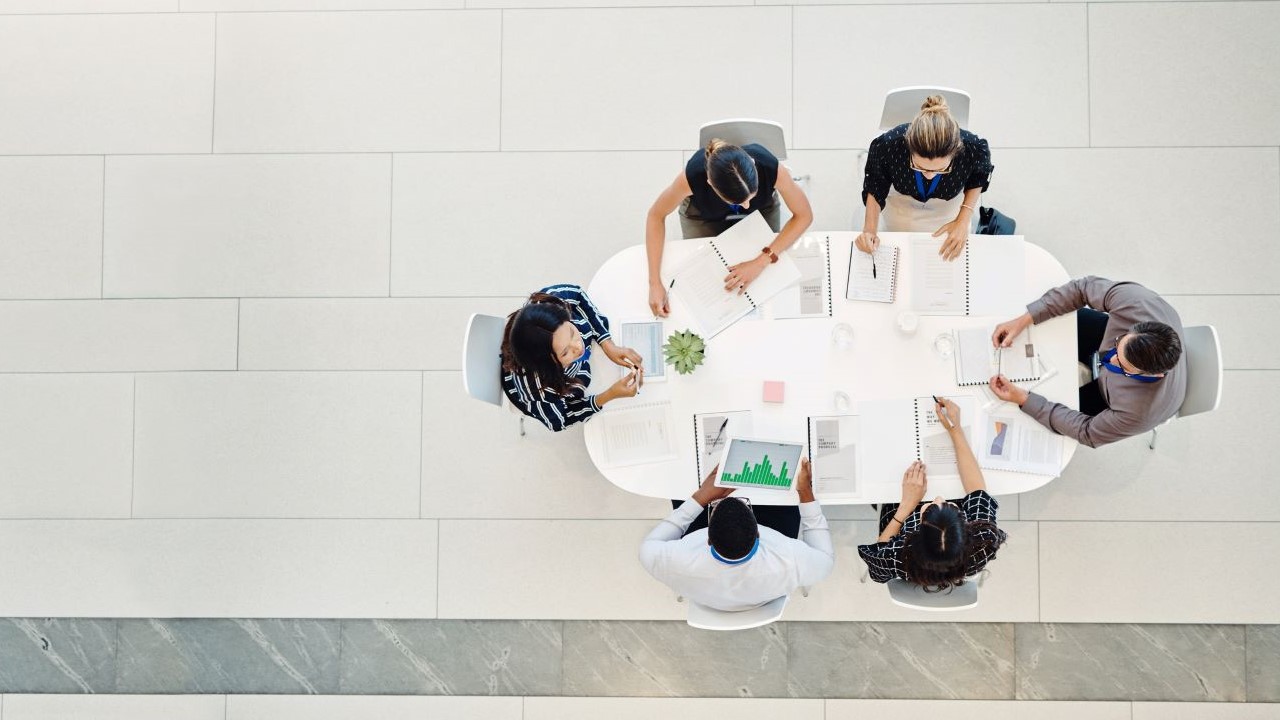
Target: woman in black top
[720,181]
[926,176]
[940,543]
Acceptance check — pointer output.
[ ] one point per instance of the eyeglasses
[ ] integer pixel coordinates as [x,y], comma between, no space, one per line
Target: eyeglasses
[943,171]
[711,506]
[1117,367]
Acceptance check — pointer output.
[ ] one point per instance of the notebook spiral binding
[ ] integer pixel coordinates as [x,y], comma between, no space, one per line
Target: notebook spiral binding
[966,279]
[697,456]
[830,301]
[915,403]
[725,263]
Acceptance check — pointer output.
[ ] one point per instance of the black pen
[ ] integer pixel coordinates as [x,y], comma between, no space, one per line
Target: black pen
[943,412]
[873,264]
[673,284]
[716,441]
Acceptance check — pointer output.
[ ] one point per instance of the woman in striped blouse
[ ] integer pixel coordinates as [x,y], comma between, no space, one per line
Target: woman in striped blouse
[940,543]
[546,352]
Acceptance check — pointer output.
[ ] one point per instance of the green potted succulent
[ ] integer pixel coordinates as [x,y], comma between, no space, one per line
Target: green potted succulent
[684,350]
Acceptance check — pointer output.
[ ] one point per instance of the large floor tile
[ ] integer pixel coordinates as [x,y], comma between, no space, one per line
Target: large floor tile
[847,58]
[1121,572]
[1201,469]
[58,656]
[219,568]
[673,659]
[556,222]
[384,707]
[1131,662]
[1203,711]
[639,79]
[1262,646]
[1184,74]
[87,84]
[1009,593]
[645,708]
[1248,326]
[451,657]
[901,660]
[212,656]
[115,707]
[359,334]
[117,335]
[222,445]
[585,569]
[68,445]
[977,709]
[1143,214]
[193,226]
[51,227]
[538,475]
[320,82]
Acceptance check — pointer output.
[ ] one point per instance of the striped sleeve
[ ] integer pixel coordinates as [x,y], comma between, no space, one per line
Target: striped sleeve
[577,299]
[553,411]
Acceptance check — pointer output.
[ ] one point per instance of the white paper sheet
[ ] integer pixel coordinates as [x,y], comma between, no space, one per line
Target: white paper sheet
[977,360]
[811,296]
[1010,440]
[637,434]
[713,432]
[937,285]
[834,455]
[878,286]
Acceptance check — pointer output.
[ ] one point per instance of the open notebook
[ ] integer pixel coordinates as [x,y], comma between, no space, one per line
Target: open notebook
[987,279]
[697,284]
[873,281]
[904,430]
[978,360]
[712,432]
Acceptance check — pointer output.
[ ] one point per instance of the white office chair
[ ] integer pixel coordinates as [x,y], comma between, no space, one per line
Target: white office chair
[482,360]
[744,131]
[705,618]
[907,595]
[901,105]
[1204,374]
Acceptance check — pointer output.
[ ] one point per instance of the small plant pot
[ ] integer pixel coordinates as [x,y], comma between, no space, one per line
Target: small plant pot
[684,351]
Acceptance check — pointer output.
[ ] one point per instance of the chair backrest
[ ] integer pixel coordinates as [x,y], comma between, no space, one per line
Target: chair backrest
[901,105]
[744,131]
[481,358]
[1204,370]
[913,596]
[705,618]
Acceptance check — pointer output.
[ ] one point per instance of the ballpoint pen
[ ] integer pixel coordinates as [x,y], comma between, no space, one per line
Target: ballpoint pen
[716,440]
[873,264]
[943,411]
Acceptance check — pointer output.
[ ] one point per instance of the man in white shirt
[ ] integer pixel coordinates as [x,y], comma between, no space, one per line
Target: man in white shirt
[734,563]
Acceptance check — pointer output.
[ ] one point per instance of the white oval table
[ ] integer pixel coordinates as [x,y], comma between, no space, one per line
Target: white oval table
[881,363]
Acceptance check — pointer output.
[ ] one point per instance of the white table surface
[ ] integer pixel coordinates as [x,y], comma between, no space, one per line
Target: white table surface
[882,363]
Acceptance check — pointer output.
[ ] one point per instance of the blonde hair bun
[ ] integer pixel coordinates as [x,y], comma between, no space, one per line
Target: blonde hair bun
[715,145]
[934,103]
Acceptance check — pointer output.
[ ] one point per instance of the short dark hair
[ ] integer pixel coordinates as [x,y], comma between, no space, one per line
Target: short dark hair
[1153,347]
[732,530]
[936,555]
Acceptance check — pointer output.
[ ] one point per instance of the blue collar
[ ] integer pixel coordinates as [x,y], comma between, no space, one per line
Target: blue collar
[1105,361]
[740,560]
[933,184]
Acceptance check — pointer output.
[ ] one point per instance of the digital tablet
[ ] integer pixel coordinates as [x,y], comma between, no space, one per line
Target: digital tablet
[759,464]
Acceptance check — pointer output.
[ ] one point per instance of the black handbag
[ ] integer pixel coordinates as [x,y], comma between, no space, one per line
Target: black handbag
[993,222]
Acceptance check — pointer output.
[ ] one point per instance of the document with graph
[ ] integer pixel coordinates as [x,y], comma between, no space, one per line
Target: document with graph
[1008,439]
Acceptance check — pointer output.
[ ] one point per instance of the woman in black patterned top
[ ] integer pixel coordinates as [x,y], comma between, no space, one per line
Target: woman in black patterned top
[940,543]
[925,176]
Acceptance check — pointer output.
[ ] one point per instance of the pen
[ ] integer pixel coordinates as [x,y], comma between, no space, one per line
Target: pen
[673,284]
[716,440]
[873,264]
[943,412]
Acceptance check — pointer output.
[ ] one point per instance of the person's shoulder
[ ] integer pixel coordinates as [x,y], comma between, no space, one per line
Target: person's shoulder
[565,291]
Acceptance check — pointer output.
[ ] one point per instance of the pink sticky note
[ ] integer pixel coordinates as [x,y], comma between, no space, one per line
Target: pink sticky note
[774,390]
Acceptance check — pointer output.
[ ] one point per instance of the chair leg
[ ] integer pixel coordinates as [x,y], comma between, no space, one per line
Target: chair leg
[521,426]
[804,591]
[1155,433]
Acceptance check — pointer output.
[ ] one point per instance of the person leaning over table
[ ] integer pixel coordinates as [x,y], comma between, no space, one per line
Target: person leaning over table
[937,544]
[1142,372]
[714,551]
[719,181]
[546,352]
[925,176]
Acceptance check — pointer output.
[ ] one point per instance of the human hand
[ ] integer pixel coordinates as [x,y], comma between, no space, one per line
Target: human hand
[707,492]
[804,481]
[624,356]
[741,275]
[1006,331]
[867,242]
[658,300]
[914,485]
[957,234]
[948,413]
[1007,391]
[628,385]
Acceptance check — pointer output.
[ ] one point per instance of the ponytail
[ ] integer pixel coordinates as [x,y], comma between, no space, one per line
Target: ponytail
[730,171]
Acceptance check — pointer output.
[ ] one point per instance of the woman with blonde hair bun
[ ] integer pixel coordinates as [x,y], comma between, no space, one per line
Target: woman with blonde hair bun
[925,176]
[718,182]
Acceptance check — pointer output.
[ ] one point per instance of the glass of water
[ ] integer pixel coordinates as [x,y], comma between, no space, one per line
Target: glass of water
[842,336]
[944,345]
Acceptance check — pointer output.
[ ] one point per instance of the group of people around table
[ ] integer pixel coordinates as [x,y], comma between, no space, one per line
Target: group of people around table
[717,549]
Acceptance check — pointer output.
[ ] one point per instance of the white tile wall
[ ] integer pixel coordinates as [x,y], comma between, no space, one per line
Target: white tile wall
[84,84]
[51,227]
[639,79]
[294,225]
[114,707]
[282,445]
[117,335]
[316,82]
[219,568]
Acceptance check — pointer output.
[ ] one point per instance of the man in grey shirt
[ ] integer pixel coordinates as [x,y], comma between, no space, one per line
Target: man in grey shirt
[1131,337]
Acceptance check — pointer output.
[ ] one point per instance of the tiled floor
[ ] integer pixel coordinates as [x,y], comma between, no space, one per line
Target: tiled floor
[238,248]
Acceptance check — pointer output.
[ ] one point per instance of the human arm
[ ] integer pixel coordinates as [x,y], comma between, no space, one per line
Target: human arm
[914,484]
[624,356]
[875,189]
[742,274]
[556,412]
[956,232]
[817,563]
[674,525]
[655,233]
[1094,431]
[970,474]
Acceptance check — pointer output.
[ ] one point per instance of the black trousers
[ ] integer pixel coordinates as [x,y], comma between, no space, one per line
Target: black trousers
[1091,328]
[783,518]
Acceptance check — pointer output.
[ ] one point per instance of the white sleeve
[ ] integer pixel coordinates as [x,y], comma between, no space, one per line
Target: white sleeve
[817,559]
[670,529]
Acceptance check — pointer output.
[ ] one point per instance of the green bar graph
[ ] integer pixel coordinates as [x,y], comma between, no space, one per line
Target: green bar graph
[761,474]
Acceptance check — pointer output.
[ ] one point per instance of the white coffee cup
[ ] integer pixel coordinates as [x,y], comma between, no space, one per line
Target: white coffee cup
[908,323]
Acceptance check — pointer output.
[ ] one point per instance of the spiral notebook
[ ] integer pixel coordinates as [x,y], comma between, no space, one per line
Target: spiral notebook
[977,360]
[833,453]
[711,432]
[811,296]
[873,281]
[987,279]
[697,284]
[904,430]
